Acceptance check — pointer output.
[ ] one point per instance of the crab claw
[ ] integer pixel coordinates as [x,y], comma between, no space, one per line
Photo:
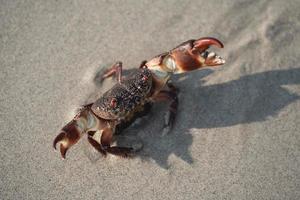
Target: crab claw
[193,54]
[211,58]
[68,136]
[204,43]
[188,56]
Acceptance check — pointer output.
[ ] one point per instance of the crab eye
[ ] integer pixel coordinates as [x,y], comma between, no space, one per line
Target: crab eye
[113,103]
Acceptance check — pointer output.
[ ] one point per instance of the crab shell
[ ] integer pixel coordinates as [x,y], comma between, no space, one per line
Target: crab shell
[124,97]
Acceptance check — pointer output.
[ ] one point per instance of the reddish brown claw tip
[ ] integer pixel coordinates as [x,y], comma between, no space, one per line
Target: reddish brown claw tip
[204,43]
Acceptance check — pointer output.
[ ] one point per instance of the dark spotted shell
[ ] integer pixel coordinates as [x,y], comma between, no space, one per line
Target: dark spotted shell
[122,99]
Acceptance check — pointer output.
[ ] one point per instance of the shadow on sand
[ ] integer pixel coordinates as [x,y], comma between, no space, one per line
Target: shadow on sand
[252,98]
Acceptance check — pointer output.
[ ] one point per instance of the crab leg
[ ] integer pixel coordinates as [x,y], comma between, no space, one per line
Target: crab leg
[115,69]
[170,96]
[94,143]
[106,140]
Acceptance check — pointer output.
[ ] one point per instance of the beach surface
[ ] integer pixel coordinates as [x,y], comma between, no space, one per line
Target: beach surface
[237,132]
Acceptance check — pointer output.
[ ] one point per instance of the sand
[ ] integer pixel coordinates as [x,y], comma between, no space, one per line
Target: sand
[237,129]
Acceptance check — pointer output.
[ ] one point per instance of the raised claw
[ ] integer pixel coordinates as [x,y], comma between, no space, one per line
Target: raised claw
[188,56]
[211,58]
[193,54]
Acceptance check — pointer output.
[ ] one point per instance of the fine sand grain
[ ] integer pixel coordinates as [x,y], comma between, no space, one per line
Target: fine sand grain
[237,129]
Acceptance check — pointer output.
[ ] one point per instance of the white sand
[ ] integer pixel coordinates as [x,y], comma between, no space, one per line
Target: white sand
[237,131]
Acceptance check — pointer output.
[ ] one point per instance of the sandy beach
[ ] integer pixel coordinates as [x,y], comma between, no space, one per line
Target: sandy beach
[237,132]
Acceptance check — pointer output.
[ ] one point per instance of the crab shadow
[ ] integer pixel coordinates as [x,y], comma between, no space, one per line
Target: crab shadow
[251,98]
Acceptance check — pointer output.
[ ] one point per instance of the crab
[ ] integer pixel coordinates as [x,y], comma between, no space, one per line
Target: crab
[132,97]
